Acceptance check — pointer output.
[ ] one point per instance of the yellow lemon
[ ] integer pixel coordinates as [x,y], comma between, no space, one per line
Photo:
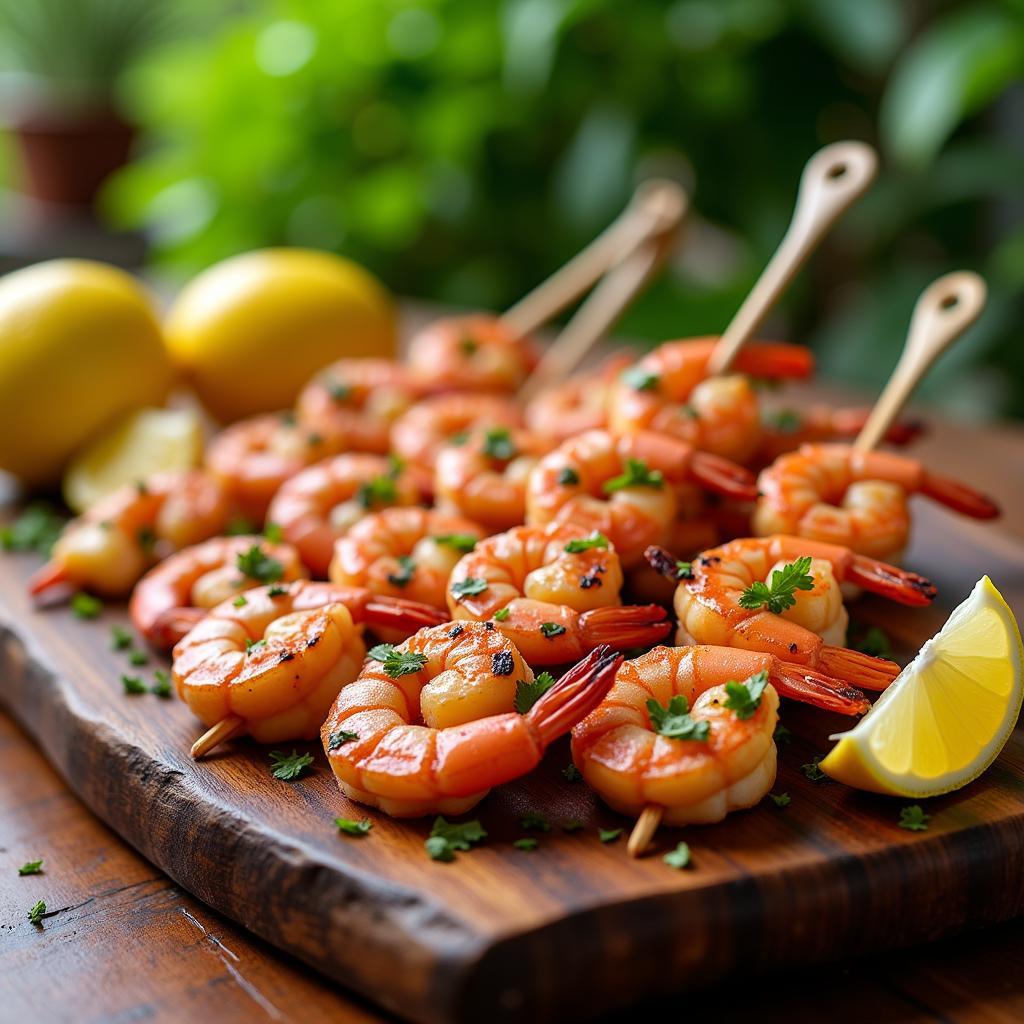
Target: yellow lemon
[80,346]
[250,331]
[142,443]
[948,713]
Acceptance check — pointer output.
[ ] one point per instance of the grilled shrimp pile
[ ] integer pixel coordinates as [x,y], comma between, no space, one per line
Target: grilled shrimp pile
[440,582]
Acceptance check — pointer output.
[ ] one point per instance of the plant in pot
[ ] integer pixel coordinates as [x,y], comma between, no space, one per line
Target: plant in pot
[60,61]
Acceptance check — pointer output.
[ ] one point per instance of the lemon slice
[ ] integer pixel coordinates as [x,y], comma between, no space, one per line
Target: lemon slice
[143,442]
[947,715]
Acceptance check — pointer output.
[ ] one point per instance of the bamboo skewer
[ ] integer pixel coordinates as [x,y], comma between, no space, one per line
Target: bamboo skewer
[946,308]
[832,180]
[216,735]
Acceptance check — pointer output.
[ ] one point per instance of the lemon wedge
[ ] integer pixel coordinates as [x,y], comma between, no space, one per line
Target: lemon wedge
[143,442]
[947,715]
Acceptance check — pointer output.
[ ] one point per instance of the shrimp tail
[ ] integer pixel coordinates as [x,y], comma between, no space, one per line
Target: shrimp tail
[958,496]
[890,581]
[723,476]
[574,696]
[399,613]
[662,562]
[170,626]
[810,687]
[622,628]
[50,581]
[863,669]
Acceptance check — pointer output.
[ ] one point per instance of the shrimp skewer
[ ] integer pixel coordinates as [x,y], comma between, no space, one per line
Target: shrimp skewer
[175,594]
[432,728]
[112,544]
[273,665]
[404,552]
[554,592]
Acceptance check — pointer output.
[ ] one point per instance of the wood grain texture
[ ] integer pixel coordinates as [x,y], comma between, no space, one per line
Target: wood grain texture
[570,930]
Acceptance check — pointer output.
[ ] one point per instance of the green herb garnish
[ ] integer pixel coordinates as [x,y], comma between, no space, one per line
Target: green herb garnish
[273,533]
[258,565]
[468,587]
[351,827]
[568,477]
[463,542]
[240,602]
[85,606]
[448,836]
[120,638]
[403,663]
[498,444]
[32,867]
[595,540]
[526,843]
[502,614]
[639,378]
[679,858]
[549,630]
[745,698]
[779,594]
[288,767]
[36,912]
[133,685]
[608,835]
[675,721]
[636,474]
[876,643]
[527,694]
[812,771]
[36,529]
[381,490]
[162,686]
[138,658]
[781,799]
[340,737]
[406,571]
[534,822]
[913,818]
[380,652]
[572,773]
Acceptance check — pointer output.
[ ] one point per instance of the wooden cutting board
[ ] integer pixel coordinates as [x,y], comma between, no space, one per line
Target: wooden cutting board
[571,929]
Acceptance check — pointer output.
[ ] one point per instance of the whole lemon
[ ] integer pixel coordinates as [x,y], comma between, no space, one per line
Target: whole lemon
[250,331]
[80,346]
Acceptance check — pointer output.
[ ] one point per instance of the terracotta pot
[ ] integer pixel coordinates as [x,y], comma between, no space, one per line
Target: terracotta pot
[67,157]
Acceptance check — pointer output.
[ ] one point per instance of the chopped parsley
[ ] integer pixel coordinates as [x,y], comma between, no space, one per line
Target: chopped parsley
[338,391]
[498,444]
[37,911]
[913,818]
[403,663]
[462,542]
[639,378]
[121,639]
[133,685]
[240,602]
[572,773]
[238,527]
[276,590]
[258,565]
[534,822]
[254,645]
[288,767]
[568,477]
[549,630]
[527,694]
[162,685]
[781,799]
[675,721]
[595,540]
[572,825]
[608,835]
[527,843]
[138,658]
[779,593]
[469,587]
[502,614]
[448,836]
[876,643]
[36,529]
[351,827]
[684,570]
[85,606]
[745,698]
[679,858]
[273,533]
[381,490]
[782,734]
[812,771]
[340,737]
[406,571]
[380,652]
[32,867]
[785,421]
[636,474]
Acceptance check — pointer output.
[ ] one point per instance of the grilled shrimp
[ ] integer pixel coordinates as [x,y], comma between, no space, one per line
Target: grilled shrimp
[554,592]
[717,602]
[578,404]
[631,488]
[254,457]
[404,552]
[355,402]
[175,594]
[470,353]
[433,727]
[419,434]
[114,542]
[484,476]
[727,760]
[318,505]
[272,664]
[669,391]
[834,493]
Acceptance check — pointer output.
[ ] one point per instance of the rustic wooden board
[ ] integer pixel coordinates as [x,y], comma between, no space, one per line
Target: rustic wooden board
[570,930]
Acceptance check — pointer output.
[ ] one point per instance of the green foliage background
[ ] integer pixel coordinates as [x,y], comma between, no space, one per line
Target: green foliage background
[463,148]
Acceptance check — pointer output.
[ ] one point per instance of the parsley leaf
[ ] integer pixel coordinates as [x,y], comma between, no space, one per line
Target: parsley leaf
[121,639]
[162,686]
[406,571]
[36,529]
[636,474]
[502,614]
[133,685]
[526,843]
[572,773]
[913,818]
[549,630]
[572,825]
[674,721]
[679,858]
[381,490]
[782,734]
[639,378]
[568,477]
[138,658]
[240,602]
[876,643]
[595,540]
[380,652]
[273,533]
[350,827]
[781,799]
[812,771]
[534,821]
[463,542]
[745,698]
[785,421]
[340,737]
[778,594]
[448,836]
[338,391]
[85,606]
[469,587]
[684,570]
[403,663]
[32,867]
[258,565]
[255,645]
[608,835]
[288,767]
[527,694]
[36,912]
[498,444]
[238,527]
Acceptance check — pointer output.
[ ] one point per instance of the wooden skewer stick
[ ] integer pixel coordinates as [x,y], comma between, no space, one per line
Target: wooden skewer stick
[833,178]
[661,206]
[946,308]
[644,829]
[216,735]
[581,272]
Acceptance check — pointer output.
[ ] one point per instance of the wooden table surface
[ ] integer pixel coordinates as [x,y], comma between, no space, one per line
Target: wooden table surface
[126,944]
